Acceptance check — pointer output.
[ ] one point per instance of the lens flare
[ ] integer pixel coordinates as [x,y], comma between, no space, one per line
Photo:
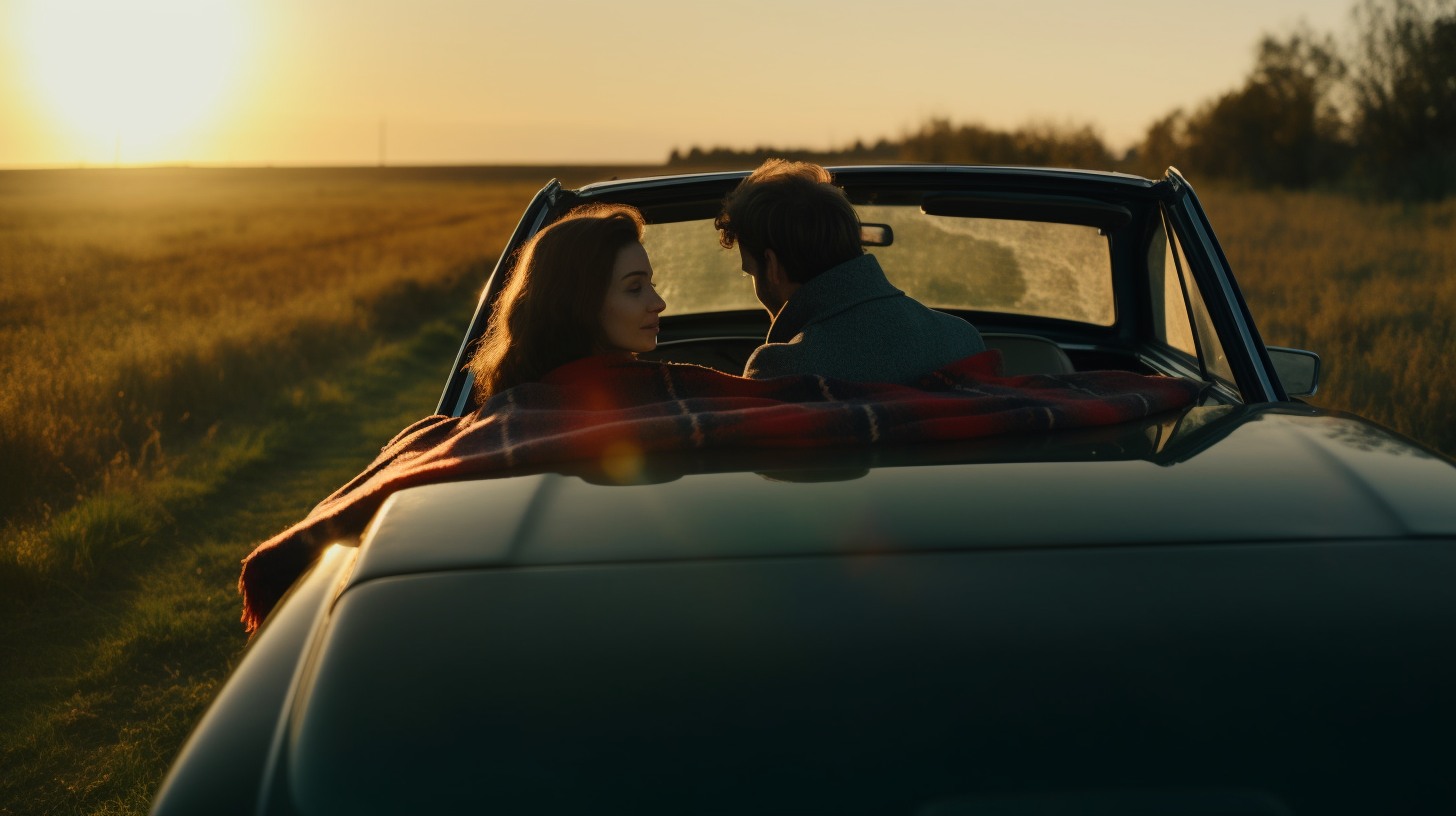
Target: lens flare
[622,462]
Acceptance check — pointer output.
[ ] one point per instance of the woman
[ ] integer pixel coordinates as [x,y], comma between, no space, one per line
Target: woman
[582,286]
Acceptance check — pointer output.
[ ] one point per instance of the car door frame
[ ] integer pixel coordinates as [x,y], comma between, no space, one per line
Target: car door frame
[456,395]
[1243,346]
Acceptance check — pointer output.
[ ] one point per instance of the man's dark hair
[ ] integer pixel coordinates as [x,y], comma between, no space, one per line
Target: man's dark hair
[795,210]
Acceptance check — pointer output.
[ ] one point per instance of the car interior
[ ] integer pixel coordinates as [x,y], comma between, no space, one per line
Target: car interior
[1020,353]
[1056,283]
[950,266]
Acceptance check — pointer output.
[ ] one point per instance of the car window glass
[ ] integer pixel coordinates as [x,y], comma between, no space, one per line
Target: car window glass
[693,272]
[1022,267]
[1170,311]
[1215,362]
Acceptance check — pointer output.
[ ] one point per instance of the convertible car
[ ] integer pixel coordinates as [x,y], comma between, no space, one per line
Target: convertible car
[1241,607]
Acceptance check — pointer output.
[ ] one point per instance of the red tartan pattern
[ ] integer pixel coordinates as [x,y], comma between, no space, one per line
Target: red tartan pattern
[577,411]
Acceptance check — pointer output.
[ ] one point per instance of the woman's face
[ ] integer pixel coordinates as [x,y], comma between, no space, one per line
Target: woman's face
[629,313]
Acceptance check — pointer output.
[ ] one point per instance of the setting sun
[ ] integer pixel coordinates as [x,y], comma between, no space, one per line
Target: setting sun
[134,76]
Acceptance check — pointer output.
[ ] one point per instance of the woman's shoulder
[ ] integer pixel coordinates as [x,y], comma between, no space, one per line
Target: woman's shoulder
[589,368]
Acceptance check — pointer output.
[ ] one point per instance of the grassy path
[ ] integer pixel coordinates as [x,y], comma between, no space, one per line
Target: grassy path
[100,685]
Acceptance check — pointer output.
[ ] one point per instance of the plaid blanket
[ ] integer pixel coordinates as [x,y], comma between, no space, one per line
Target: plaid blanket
[600,405]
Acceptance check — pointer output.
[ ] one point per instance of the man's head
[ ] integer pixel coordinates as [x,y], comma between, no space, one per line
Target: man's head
[789,224]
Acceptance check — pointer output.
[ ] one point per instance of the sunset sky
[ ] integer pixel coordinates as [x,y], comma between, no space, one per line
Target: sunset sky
[294,82]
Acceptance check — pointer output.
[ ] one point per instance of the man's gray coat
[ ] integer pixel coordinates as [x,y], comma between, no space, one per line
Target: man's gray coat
[850,323]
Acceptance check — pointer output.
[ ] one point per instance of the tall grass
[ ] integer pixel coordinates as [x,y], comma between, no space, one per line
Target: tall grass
[1369,286]
[140,308]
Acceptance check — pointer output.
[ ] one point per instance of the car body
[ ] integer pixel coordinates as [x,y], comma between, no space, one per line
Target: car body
[1244,607]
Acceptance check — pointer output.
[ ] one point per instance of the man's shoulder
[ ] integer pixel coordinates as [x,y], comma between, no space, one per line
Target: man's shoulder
[777,359]
[888,311]
[950,321]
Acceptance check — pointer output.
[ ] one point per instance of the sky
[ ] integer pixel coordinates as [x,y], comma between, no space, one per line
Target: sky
[328,82]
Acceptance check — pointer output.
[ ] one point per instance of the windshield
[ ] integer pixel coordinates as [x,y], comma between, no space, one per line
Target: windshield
[1020,267]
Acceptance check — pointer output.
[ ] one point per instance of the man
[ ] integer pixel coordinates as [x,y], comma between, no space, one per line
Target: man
[834,313]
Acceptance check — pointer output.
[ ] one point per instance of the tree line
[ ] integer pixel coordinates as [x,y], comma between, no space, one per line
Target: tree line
[1374,112]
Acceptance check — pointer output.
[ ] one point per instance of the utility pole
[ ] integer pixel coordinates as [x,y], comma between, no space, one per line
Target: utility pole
[382,124]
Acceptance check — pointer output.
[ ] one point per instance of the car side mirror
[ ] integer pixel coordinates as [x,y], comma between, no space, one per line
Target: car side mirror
[1298,370]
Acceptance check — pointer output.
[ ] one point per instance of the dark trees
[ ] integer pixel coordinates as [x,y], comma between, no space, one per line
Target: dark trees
[1038,145]
[1404,89]
[1380,117]
[1280,128]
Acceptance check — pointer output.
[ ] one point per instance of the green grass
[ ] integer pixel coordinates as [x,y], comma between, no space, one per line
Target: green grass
[101,684]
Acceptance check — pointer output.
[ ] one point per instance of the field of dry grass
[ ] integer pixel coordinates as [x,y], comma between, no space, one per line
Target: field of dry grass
[1369,286]
[139,309]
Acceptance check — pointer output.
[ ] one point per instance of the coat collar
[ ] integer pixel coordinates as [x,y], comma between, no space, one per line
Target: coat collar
[829,293]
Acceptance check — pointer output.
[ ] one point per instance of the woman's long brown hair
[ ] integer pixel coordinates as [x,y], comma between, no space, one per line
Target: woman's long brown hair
[550,311]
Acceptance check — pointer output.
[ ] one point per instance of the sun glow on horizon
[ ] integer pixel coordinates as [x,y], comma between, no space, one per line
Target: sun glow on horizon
[346,82]
[137,75]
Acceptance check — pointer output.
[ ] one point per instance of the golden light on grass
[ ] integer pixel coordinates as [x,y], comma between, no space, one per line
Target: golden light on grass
[151,304]
[134,76]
